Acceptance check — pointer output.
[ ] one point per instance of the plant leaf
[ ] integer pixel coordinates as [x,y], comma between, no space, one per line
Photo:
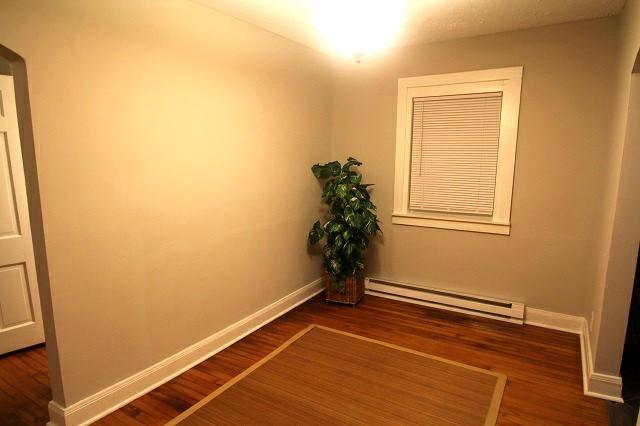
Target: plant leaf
[350,162]
[352,218]
[329,189]
[321,172]
[334,266]
[361,193]
[368,204]
[327,251]
[334,167]
[348,249]
[337,241]
[316,233]
[335,227]
[325,171]
[355,179]
[370,226]
[355,203]
[342,190]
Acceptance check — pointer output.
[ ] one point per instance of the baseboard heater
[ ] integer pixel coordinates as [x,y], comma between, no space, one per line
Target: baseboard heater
[502,310]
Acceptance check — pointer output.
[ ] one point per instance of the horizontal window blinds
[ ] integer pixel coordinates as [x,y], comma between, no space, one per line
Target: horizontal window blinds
[454,153]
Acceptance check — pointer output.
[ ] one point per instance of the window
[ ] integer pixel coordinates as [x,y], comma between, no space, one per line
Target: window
[455,150]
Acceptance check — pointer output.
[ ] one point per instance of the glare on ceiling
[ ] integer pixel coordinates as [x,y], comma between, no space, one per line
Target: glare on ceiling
[357,28]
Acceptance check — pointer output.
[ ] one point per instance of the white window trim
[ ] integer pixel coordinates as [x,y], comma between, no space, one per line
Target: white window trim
[507,80]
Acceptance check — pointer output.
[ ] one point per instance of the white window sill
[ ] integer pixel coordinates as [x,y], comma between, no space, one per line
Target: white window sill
[470,225]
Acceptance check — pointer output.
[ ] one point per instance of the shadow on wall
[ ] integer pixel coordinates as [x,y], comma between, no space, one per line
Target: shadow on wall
[5,67]
[373,256]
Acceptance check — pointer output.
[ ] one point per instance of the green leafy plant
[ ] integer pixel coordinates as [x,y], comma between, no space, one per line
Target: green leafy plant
[352,220]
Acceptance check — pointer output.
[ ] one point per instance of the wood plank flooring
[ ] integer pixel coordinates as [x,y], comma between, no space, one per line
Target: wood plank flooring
[24,387]
[544,384]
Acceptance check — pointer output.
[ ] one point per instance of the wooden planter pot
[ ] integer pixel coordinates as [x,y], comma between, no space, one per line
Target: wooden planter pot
[349,294]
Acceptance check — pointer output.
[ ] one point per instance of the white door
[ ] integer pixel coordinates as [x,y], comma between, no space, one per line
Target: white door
[20,315]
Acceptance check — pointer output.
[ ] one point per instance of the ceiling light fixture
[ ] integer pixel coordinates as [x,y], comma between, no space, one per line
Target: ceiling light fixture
[355,28]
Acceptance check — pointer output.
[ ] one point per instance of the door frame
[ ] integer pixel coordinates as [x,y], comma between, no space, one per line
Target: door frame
[19,73]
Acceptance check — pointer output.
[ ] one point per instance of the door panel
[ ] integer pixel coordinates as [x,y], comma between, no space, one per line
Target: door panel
[15,289]
[20,315]
[8,216]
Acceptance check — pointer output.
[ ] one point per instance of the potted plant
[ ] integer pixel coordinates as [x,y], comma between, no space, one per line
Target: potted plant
[352,220]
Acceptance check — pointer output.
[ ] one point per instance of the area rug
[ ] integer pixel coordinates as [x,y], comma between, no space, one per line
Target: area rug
[326,376]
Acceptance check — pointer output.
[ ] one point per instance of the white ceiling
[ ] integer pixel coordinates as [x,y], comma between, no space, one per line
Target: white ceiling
[427,20]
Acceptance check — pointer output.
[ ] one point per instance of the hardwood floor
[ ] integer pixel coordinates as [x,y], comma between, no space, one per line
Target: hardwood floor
[24,387]
[544,381]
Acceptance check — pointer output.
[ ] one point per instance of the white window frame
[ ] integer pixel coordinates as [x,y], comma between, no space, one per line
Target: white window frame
[506,80]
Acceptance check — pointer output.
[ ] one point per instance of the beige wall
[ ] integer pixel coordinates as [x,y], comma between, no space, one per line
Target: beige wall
[548,260]
[620,231]
[173,146]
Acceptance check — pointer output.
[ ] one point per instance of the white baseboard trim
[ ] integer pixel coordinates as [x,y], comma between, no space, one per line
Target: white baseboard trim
[115,396]
[553,320]
[594,384]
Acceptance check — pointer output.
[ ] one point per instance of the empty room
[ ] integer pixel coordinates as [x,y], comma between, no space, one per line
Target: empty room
[287,212]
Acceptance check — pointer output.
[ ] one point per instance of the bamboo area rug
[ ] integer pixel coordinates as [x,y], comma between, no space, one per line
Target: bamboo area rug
[326,376]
